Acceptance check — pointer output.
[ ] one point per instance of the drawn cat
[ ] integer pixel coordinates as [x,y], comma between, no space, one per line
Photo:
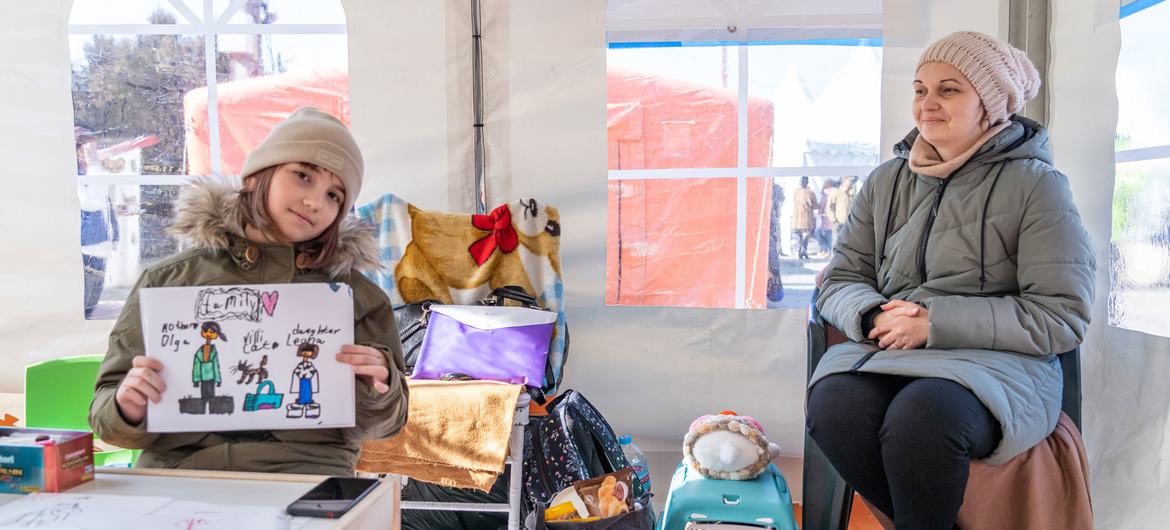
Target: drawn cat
[246,371]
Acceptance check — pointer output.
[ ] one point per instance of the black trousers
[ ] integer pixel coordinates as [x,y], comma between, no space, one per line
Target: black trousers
[905,444]
[95,279]
[802,237]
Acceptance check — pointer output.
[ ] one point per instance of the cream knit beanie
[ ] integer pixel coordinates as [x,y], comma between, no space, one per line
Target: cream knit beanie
[313,136]
[1002,75]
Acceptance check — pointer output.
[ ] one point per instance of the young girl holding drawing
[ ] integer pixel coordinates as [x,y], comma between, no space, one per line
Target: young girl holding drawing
[287,223]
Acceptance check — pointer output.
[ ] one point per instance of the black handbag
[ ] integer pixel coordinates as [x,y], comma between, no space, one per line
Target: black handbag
[411,320]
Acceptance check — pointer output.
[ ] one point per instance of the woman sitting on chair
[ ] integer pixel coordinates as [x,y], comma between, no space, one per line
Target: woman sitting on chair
[962,272]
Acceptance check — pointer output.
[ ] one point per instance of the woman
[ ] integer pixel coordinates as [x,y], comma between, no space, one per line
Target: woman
[962,271]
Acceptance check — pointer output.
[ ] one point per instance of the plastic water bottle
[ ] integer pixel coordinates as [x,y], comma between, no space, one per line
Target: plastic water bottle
[638,460]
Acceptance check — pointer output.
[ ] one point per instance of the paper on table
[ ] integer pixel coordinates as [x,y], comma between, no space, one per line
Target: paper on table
[206,516]
[68,511]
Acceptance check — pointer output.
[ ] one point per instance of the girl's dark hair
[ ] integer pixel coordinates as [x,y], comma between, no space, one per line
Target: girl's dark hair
[308,346]
[213,326]
[254,212]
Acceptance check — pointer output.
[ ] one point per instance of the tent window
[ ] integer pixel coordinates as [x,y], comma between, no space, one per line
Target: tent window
[710,131]
[166,90]
[1140,243]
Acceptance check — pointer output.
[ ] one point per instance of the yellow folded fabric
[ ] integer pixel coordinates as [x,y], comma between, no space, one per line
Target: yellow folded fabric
[456,434]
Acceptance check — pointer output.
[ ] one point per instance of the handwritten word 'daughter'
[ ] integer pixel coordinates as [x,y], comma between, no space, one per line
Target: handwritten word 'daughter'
[309,334]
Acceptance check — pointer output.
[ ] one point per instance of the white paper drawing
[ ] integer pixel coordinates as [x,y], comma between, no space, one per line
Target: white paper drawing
[250,357]
[191,515]
[65,511]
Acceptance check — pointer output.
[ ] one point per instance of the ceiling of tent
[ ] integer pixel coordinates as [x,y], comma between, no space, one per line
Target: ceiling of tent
[678,14]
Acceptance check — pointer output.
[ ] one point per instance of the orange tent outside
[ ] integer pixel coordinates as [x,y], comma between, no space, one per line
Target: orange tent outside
[249,108]
[671,242]
[676,237]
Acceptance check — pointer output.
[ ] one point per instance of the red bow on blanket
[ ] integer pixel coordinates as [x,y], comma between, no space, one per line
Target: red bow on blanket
[503,234]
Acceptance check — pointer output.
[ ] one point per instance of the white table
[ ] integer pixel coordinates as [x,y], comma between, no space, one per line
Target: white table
[378,510]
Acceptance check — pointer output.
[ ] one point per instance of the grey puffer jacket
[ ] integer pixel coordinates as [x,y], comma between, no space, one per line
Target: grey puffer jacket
[996,253]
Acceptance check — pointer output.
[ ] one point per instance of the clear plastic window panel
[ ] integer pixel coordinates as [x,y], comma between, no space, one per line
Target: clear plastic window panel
[1139,249]
[673,107]
[280,11]
[261,80]
[671,242]
[823,102]
[123,229]
[128,101]
[792,230]
[1143,81]
[99,12]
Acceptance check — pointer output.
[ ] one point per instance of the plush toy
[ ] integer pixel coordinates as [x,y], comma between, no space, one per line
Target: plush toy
[728,446]
[449,253]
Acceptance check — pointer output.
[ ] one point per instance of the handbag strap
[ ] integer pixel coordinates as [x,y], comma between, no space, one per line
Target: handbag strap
[421,323]
[511,292]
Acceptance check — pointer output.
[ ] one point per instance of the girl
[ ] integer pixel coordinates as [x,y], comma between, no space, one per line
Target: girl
[962,272]
[287,224]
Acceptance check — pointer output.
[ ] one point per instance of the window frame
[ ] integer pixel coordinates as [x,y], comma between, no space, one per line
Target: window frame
[187,23]
[1127,156]
[195,25]
[659,38]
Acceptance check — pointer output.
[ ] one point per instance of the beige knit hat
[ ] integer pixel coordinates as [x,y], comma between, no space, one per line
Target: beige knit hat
[1002,75]
[313,136]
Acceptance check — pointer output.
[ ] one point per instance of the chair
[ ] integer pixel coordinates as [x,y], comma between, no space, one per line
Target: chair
[828,500]
[58,393]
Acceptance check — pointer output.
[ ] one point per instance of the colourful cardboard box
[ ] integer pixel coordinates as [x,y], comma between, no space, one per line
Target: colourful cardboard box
[36,460]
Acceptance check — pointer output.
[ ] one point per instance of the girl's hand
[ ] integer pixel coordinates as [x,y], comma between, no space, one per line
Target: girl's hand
[142,384]
[369,365]
[901,325]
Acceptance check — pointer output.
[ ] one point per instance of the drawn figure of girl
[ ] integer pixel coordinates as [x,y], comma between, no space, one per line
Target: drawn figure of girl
[205,368]
[304,384]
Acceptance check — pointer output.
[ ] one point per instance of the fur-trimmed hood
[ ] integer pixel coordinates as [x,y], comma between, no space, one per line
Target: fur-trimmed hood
[207,217]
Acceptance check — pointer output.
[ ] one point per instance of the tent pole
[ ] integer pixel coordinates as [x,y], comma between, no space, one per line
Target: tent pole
[481,192]
[1028,22]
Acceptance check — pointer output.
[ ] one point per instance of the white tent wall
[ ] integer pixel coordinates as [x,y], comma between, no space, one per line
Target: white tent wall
[410,98]
[651,370]
[41,310]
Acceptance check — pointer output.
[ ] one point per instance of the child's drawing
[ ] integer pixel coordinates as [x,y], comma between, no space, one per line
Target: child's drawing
[193,515]
[247,372]
[251,332]
[206,376]
[57,513]
[69,511]
[304,384]
[264,398]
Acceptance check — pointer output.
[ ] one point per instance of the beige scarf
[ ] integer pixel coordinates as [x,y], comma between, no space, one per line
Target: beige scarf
[925,160]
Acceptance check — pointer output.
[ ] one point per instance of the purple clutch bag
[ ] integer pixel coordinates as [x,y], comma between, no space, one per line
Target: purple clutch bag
[496,343]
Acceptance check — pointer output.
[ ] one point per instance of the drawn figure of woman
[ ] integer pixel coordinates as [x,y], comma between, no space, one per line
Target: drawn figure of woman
[205,368]
[304,384]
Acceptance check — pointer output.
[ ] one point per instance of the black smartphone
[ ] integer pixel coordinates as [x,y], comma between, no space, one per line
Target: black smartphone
[332,497]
